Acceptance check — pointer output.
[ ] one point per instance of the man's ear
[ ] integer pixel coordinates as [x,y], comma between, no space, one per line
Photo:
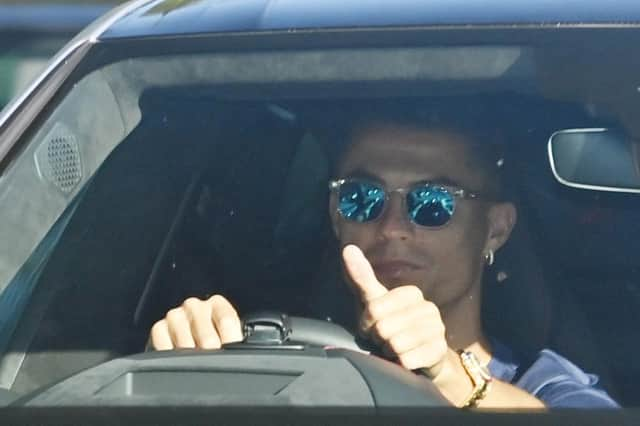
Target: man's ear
[334,215]
[502,218]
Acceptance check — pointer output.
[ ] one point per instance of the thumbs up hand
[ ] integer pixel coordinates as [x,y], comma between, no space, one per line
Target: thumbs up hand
[407,326]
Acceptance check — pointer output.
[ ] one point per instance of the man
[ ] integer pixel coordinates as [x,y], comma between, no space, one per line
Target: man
[416,209]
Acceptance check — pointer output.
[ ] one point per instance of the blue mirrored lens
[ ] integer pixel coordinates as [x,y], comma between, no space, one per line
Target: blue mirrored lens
[430,205]
[360,201]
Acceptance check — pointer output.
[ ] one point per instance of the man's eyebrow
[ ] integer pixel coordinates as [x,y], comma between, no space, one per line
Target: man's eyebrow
[362,173]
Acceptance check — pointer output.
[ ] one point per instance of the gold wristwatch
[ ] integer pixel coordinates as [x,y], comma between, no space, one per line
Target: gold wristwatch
[479,375]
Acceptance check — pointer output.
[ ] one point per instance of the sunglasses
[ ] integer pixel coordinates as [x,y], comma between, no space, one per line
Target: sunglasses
[429,205]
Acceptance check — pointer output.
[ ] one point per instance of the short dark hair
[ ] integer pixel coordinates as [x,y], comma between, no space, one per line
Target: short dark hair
[475,120]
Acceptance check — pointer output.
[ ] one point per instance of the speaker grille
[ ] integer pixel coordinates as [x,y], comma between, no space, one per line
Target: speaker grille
[58,159]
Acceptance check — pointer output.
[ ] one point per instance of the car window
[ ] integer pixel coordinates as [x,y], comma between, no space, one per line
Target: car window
[22,64]
[151,179]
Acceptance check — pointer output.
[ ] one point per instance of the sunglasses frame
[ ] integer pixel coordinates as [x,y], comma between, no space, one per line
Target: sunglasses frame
[336,184]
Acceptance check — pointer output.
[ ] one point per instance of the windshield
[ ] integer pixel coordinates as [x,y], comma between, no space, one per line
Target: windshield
[149,180]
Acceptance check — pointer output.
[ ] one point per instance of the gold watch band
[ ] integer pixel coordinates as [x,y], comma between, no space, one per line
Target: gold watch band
[479,375]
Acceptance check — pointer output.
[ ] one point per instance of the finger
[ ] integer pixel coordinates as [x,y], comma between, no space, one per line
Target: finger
[397,300]
[202,329]
[428,357]
[226,320]
[180,329]
[160,337]
[423,315]
[362,274]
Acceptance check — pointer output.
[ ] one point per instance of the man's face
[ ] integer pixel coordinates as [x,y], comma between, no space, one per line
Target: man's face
[444,262]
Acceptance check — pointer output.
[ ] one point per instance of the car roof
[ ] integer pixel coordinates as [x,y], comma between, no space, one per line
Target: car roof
[173,17]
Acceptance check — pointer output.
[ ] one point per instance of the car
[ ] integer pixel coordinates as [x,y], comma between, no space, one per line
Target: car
[178,149]
[31,34]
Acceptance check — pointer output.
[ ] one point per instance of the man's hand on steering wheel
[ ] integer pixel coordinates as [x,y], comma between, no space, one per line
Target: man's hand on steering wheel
[204,324]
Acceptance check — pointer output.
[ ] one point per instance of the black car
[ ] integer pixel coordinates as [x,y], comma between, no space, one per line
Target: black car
[180,149]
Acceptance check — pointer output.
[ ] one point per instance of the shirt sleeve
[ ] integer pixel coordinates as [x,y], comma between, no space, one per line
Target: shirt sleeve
[559,383]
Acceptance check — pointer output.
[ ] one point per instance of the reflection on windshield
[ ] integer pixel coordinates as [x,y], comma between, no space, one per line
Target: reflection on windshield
[438,234]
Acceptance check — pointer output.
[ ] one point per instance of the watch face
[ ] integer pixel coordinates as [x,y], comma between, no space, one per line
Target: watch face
[474,364]
[485,372]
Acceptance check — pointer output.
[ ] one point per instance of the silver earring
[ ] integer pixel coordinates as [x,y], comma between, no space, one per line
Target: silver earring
[489,257]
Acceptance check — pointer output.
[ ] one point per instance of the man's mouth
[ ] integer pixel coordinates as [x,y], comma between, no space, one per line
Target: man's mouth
[390,271]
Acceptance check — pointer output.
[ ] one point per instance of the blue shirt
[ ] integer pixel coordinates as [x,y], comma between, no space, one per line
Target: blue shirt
[553,379]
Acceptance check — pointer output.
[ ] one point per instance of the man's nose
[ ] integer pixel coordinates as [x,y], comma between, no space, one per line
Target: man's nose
[395,223]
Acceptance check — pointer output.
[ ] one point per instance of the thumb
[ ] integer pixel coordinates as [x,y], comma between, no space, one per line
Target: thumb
[361,273]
